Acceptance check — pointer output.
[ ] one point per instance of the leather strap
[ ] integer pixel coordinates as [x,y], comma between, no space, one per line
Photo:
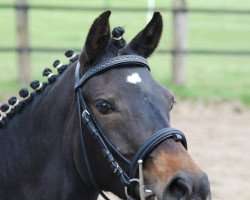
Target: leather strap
[111,63]
[152,142]
[85,153]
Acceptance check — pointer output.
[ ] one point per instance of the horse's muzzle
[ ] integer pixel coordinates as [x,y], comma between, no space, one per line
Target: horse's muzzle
[185,186]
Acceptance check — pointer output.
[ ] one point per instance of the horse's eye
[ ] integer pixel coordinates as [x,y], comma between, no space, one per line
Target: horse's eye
[103,106]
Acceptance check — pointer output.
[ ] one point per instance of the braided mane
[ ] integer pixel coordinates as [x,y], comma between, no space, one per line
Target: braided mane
[14,105]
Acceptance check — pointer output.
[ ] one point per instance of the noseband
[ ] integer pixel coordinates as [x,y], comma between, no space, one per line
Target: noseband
[133,175]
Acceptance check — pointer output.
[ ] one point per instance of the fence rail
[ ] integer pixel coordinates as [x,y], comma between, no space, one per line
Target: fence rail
[222,52]
[126,9]
[160,51]
[178,51]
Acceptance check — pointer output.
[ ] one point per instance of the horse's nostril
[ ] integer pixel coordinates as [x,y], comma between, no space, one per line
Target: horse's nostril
[186,186]
[179,187]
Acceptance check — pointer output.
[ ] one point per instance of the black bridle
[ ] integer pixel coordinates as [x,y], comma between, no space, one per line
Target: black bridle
[109,151]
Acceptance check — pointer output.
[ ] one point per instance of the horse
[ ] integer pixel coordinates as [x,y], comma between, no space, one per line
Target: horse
[101,124]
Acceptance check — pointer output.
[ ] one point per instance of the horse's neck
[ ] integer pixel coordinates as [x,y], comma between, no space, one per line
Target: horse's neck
[47,117]
[36,146]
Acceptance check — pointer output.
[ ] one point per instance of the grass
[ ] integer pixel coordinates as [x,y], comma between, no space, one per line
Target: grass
[209,77]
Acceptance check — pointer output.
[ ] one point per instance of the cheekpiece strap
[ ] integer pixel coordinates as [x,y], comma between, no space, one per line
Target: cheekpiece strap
[117,61]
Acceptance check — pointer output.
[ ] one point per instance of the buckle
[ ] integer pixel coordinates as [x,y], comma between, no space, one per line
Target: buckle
[144,193]
[178,137]
[86,115]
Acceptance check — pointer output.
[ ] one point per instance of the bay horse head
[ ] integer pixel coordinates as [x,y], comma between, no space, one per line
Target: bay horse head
[101,124]
[130,110]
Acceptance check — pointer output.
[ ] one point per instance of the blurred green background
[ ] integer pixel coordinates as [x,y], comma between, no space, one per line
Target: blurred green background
[209,76]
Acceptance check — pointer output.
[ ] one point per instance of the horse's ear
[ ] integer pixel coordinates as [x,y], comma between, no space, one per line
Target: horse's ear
[97,39]
[145,42]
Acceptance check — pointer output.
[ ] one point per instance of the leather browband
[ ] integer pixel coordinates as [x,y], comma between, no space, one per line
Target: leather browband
[111,63]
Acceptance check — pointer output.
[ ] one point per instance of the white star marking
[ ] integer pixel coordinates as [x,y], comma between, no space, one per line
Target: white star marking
[134,78]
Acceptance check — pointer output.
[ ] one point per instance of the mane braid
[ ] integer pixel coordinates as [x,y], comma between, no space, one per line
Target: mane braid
[117,37]
[14,105]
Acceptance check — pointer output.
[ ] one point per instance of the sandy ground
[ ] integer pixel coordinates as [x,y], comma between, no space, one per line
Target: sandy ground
[218,137]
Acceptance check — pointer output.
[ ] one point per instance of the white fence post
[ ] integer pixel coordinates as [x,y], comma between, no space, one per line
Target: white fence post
[179,42]
[24,67]
[151,7]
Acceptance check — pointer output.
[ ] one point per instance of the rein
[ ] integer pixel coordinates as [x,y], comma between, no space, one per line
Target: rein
[131,177]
